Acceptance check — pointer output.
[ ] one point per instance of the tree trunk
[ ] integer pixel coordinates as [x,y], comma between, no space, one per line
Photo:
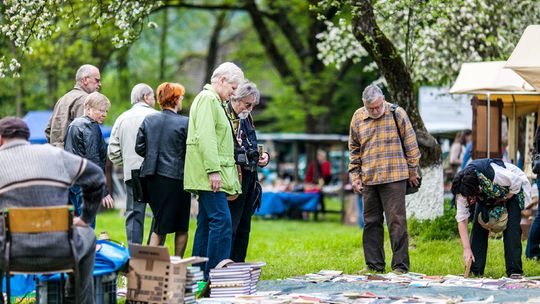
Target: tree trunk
[397,76]
[163,44]
[213,46]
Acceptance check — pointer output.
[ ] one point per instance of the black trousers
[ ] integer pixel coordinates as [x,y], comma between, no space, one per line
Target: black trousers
[511,239]
[241,211]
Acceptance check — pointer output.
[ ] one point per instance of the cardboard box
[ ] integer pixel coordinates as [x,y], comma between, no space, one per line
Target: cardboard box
[156,277]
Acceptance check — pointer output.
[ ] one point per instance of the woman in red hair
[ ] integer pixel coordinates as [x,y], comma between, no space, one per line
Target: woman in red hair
[162,142]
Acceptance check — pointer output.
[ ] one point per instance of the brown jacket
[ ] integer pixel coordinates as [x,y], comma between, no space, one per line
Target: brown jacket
[66,109]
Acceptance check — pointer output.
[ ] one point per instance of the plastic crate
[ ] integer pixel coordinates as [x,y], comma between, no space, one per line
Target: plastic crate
[50,292]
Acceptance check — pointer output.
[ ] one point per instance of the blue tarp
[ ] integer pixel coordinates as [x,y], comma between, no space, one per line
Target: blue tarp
[37,122]
[110,257]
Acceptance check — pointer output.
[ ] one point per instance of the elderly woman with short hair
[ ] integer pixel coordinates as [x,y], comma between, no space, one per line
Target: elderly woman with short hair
[161,141]
[210,167]
[84,138]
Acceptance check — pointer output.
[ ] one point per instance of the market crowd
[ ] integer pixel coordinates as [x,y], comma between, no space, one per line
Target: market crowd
[213,155]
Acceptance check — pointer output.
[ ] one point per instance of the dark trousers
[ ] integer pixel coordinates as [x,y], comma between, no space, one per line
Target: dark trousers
[241,211]
[387,199]
[511,239]
[533,242]
[135,212]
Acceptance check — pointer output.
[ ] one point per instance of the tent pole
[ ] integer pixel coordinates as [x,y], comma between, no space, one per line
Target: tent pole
[488,132]
[512,153]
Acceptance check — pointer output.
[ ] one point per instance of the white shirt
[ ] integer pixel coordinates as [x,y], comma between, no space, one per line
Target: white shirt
[511,176]
[123,138]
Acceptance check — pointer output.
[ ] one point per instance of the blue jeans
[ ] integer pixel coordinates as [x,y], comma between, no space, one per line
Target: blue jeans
[360,211]
[213,236]
[533,242]
[76,199]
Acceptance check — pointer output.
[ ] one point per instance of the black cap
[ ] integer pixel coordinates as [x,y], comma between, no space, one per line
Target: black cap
[13,127]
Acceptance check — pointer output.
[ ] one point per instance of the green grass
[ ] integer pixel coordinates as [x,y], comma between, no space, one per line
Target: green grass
[296,247]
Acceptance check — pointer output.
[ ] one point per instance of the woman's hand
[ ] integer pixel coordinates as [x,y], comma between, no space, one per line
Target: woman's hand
[468,256]
[215,181]
[107,201]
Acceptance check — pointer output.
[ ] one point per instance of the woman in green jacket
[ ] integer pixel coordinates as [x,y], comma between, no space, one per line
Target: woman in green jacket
[210,169]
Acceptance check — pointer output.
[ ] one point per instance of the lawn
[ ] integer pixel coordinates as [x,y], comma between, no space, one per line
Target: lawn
[296,247]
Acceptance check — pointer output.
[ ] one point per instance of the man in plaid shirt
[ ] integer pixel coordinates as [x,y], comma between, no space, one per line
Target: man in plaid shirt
[380,167]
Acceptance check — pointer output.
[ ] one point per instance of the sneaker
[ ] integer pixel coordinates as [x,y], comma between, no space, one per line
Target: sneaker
[399,271]
[516,276]
[368,270]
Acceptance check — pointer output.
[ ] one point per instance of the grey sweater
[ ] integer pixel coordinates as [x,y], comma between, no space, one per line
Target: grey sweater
[40,175]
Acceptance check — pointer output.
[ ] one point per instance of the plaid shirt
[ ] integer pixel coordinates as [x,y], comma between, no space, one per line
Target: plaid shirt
[376,153]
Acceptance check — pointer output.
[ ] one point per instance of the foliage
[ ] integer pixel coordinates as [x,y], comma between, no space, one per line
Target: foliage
[435,37]
[40,19]
[441,228]
[74,32]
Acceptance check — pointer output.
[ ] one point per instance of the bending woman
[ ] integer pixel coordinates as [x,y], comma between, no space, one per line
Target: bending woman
[162,142]
[497,192]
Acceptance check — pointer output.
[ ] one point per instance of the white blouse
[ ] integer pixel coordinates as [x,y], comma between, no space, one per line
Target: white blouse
[511,176]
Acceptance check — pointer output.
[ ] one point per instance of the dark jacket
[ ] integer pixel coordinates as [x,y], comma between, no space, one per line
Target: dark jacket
[84,138]
[162,142]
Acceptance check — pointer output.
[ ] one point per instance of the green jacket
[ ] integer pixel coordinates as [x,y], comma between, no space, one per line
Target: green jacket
[210,146]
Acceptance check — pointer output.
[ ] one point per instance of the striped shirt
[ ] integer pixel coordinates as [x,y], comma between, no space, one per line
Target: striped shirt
[376,153]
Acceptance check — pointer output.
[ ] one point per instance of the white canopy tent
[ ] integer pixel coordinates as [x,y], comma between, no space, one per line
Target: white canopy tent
[492,81]
[525,59]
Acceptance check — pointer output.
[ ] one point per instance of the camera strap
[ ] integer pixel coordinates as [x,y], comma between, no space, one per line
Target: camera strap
[236,144]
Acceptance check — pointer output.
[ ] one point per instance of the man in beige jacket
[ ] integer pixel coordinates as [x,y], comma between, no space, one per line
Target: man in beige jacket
[71,105]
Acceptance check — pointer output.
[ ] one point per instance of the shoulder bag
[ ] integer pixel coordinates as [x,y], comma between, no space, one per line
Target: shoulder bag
[410,189]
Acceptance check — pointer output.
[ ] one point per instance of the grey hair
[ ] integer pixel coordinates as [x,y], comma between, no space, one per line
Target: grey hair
[139,91]
[96,99]
[371,93]
[85,70]
[229,70]
[246,90]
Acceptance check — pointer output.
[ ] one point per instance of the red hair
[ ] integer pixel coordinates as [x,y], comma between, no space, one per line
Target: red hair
[168,94]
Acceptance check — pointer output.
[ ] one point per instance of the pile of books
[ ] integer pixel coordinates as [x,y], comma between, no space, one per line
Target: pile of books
[193,275]
[235,279]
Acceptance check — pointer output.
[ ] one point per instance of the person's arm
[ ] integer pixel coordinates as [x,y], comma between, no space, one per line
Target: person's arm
[48,129]
[507,178]
[462,217]
[140,144]
[463,229]
[205,126]
[114,150]
[355,164]
[514,178]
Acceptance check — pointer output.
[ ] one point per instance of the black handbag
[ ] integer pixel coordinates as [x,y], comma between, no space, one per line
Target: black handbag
[410,188]
[139,186]
[536,164]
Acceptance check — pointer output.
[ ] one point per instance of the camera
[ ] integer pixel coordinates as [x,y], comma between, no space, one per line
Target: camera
[244,157]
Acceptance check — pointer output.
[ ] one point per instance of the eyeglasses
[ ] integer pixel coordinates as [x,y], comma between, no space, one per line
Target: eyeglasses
[249,104]
[181,98]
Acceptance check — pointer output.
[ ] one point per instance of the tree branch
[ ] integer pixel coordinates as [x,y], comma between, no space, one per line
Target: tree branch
[277,59]
[288,30]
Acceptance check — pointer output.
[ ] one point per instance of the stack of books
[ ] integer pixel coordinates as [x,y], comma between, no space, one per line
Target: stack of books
[193,275]
[235,279]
